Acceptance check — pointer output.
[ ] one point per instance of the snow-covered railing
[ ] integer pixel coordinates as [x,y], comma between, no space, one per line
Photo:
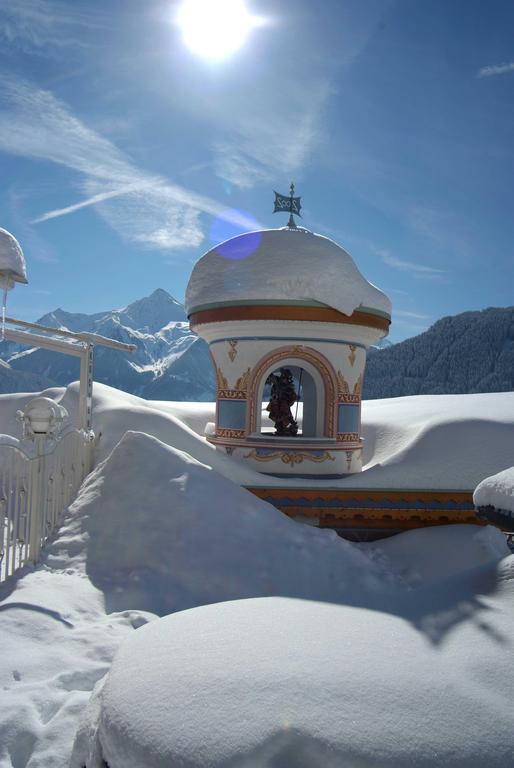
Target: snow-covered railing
[41,473]
[78,344]
[39,476]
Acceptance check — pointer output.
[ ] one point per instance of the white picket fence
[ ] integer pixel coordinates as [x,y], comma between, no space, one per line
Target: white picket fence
[40,475]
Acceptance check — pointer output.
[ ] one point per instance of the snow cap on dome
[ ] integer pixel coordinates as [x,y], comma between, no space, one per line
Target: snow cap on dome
[282,265]
[12,261]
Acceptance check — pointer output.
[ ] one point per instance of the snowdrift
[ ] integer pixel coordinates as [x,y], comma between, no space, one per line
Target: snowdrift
[295,683]
[165,532]
[160,526]
[424,442]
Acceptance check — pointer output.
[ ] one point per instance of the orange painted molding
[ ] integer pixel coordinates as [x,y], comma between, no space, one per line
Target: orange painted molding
[283,312]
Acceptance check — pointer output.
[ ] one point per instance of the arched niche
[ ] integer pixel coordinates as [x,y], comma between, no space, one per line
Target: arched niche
[319,390]
[312,398]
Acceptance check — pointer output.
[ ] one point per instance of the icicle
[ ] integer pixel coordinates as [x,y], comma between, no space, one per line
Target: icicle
[4,304]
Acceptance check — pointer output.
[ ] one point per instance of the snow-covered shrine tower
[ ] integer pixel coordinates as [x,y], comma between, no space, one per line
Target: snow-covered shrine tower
[287,299]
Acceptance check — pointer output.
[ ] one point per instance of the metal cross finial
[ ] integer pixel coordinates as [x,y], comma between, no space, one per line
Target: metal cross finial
[289,204]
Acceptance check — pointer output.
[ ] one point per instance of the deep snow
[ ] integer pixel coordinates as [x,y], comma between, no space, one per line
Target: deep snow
[275,681]
[158,528]
[418,442]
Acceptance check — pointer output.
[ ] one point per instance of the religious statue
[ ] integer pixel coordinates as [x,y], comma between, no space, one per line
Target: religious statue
[283,396]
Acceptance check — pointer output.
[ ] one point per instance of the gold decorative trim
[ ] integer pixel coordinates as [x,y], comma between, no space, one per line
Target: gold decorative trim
[289,458]
[242,382]
[347,437]
[349,399]
[221,380]
[344,388]
[234,434]
[345,396]
[232,353]
[231,394]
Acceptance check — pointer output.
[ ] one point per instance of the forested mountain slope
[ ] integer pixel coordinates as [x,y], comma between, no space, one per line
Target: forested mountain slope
[470,352]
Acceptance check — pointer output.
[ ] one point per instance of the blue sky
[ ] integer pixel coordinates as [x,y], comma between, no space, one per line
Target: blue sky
[120,149]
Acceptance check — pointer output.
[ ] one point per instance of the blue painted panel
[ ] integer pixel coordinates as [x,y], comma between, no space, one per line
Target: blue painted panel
[232,414]
[348,420]
[373,503]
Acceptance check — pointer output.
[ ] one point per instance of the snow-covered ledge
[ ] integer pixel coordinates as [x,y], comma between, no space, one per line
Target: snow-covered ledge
[494,499]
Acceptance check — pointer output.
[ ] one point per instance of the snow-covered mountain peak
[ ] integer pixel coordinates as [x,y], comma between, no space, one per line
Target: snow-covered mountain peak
[169,361]
[152,313]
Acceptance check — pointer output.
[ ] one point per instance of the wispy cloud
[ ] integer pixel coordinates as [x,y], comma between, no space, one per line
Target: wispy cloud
[416,269]
[496,69]
[411,266]
[281,131]
[142,207]
[403,313]
[94,200]
[49,26]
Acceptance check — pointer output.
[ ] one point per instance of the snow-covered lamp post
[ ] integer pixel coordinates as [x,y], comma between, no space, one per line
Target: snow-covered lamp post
[42,417]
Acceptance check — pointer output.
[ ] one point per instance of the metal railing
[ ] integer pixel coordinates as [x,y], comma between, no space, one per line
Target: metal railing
[40,475]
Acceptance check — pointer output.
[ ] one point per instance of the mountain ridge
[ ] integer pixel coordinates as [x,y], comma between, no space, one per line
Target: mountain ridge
[169,360]
[469,352]
[465,353]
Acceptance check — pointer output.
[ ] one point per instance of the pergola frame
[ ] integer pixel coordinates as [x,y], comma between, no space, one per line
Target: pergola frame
[78,344]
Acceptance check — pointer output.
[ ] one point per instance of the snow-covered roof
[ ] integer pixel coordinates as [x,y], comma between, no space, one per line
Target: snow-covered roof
[282,265]
[12,261]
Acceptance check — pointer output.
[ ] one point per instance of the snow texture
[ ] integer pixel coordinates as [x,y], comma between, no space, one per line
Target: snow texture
[12,261]
[190,536]
[274,681]
[496,491]
[282,265]
[415,630]
[447,442]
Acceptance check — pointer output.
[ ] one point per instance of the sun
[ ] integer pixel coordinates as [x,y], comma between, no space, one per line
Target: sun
[214,29]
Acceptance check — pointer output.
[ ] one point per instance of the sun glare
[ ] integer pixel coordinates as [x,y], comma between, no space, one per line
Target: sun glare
[214,29]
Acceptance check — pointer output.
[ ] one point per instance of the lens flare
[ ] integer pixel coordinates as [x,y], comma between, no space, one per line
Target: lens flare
[227,226]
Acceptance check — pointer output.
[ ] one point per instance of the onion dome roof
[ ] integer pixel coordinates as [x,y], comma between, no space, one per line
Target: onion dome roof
[282,266]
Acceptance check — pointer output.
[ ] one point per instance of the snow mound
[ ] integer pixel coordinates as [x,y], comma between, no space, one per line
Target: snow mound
[57,642]
[154,528]
[428,556]
[282,682]
[496,491]
[282,265]
[420,442]
[166,532]
[435,441]
[12,260]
